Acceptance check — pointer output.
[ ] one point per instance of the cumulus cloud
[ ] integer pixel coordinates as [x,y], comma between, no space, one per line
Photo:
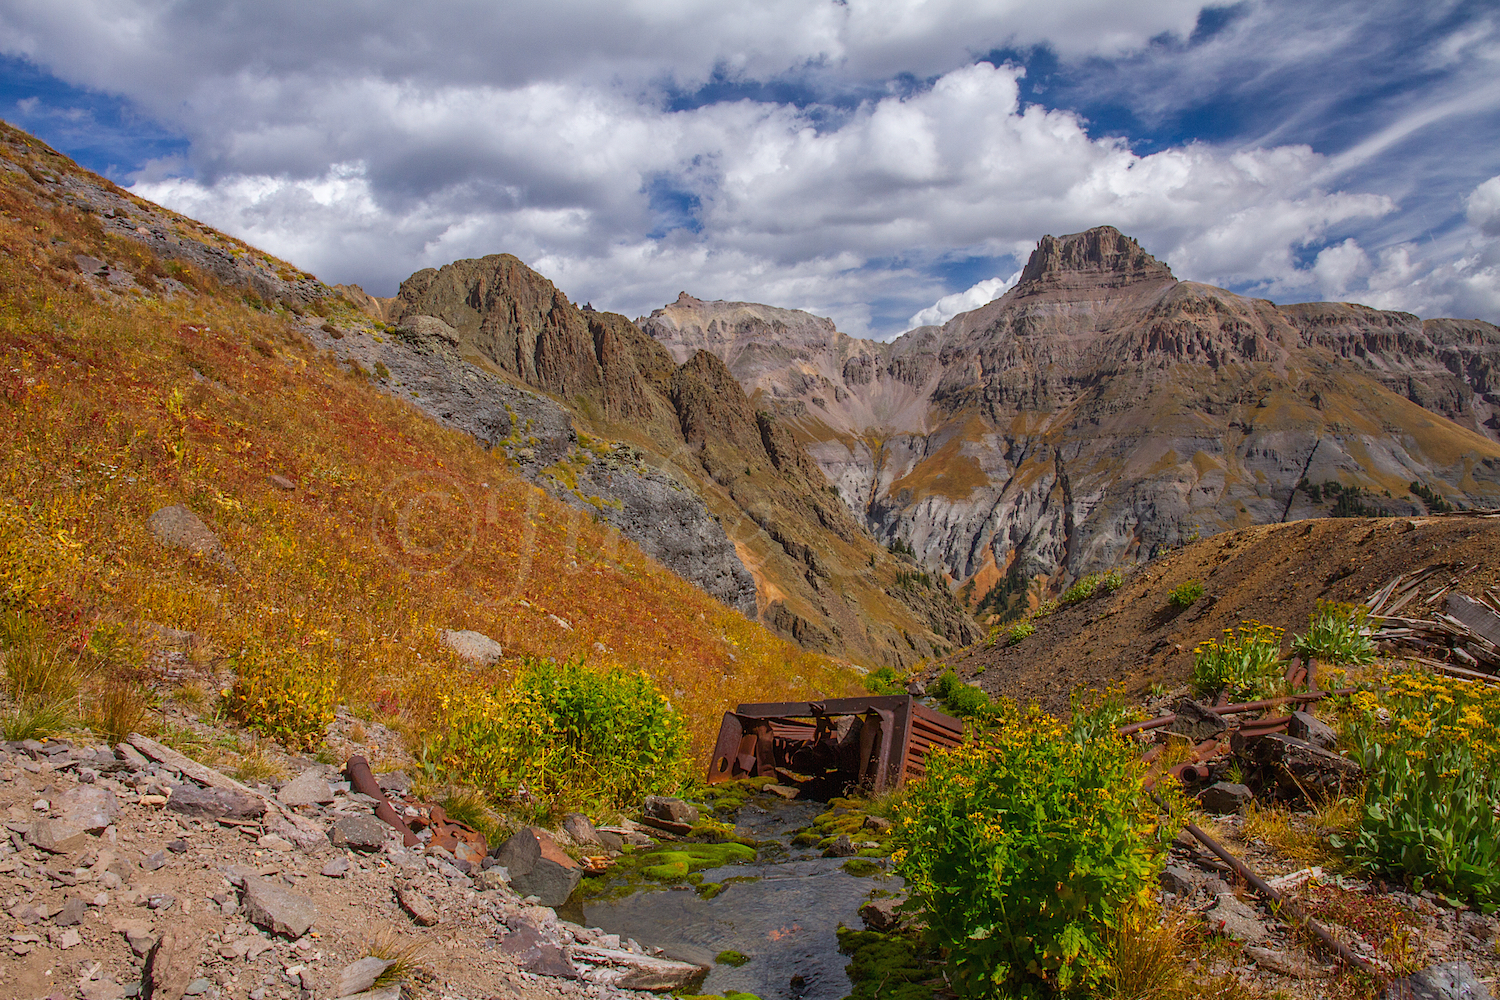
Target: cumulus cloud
[1483,207]
[973,297]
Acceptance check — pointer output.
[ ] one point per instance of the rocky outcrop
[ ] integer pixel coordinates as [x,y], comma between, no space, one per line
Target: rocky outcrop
[1102,410]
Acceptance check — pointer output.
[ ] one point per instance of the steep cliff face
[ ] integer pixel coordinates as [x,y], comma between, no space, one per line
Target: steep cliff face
[1102,410]
[703,476]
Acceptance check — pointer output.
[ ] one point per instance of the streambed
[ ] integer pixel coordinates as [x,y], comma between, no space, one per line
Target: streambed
[782,911]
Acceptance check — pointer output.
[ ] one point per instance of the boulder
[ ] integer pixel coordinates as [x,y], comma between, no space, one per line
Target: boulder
[172,963]
[476,647]
[669,809]
[842,847]
[1234,919]
[1180,881]
[1225,797]
[89,808]
[1296,767]
[362,833]
[179,528]
[274,907]
[578,826]
[1310,729]
[307,789]
[881,914]
[1196,721]
[538,867]
[215,803]
[535,954]
[626,970]
[1449,981]
[56,837]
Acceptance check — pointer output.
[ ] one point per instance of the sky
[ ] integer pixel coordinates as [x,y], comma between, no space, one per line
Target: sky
[887,163]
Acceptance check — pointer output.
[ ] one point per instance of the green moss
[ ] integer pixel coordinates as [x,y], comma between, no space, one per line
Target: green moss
[734,958]
[708,890]
[715,996]
[887,966]
[862,867]
[676,863]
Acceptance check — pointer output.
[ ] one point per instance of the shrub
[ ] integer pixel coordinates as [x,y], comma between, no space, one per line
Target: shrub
[1020,630]
[1338,633]
[1092,584]
[1025,849]
[886,681]
[1433,781]
[288,694]
[1185,595]
[1246,663]
[566,732]
[963,701]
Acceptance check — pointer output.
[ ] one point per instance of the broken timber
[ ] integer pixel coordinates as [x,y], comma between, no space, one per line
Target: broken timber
[876,743]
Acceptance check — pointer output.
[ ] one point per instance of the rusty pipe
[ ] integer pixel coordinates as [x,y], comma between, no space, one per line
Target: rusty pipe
[363,780]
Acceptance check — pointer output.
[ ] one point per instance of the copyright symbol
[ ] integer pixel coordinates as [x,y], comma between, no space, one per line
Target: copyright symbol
[424,522]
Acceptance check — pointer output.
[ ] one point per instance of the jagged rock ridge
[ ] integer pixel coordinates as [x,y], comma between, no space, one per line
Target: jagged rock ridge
[1102,409]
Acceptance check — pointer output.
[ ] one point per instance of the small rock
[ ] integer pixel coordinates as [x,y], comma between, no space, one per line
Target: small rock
[1196,721]
[877,823]
[1305,726]
[101,989]
[178,846]
[1225,797]
[179,528]
[89,809]
[307,789]
[56,836]
[1450,981]
[362,833]
[1287,964]
[361,975]
[842,847]
[272,842]
[497,877]
[1180,881]
[880,914]
[337,867]
[172,963]
[278,909]
[476,647]
[161,901]
[72,913]
[784,791]
[215,803]
[670,809]
[65,938]
[281,482]
[1231,917]
[131,756]
[196,988]
[137,934]
[418,905]
[153,861]
[578,826]
[394,782]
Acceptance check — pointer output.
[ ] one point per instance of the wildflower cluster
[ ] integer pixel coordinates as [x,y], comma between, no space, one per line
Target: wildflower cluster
[287,693]
[1245,663]
[1429,745]
[1025,848]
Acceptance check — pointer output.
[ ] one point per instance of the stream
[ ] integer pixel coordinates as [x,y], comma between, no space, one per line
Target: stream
[785,920]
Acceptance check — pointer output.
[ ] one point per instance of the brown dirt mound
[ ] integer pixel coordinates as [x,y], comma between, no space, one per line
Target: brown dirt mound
[1274,573]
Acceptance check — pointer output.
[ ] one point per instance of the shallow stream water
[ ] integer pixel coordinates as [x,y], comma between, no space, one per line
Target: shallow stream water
[785,920]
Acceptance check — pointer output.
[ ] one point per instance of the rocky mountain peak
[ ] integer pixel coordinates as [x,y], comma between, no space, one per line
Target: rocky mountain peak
[1099,256]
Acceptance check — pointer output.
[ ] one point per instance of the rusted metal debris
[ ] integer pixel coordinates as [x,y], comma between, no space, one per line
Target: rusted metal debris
[458,839]
[873,743]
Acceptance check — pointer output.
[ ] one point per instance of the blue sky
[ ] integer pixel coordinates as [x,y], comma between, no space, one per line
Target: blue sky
[881,162]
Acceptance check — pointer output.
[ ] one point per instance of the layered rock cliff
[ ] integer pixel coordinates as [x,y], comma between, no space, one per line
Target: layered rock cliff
[1102,410]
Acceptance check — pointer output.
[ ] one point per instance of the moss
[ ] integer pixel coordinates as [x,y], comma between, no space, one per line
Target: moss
[678,862]
[887,966]
[862,867]
[731,957]
[715,996]
[708,890]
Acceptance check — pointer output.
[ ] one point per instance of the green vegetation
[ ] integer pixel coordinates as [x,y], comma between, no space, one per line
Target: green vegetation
[1433,781]
[289,694]
[963,701]
[1094,584]
[566,730]
[1020,631]
[675,864]
[731,958]
[886,681]
[1186,594]
[889,966]
[850,818]
[1246,663]
[1337,633]
[1025,849]
[1430,498]
[901,547]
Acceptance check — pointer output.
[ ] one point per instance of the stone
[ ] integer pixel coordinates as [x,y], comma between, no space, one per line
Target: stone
[629,970]
[670,809]
[178,846]
[360,976]
[215,803]
[538,867]
[179,528]
[276,908]
[274,842]
[307,789]
[90,809]
[1179,881]
[475,647]
[783,791]
[1234,919]
[497,877]
[281,482]
[391,992]
[196,988]
[535,954]
[137,933]
[842,847]
[1196,721]
[1449,981]
[65,937]
[153,861]
[578,826]
[394,782]
[1225,797]
[130,755]
[336,867]
[1295,767]
[1309,728]
[101,989]
[417,905]
[171,966]
[877,823]
[362,833]
[881,914]
[1288,964]
[56,837]
[71,915]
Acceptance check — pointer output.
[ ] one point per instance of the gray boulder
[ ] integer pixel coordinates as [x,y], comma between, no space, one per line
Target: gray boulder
[363,833]
[276,908]
[215,803]
[179,528]
[89,808]
[578,826]
[1307,727]
[670,809]
[1196,721]
[307,789]
[1450,981]
[476,647]
[1225,797]
[1234,919]
[538,867]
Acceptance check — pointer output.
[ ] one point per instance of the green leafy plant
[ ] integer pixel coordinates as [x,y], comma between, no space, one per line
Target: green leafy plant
[1246,663]
[566,731]
[1337,633]
[1433,781]
[1020,631]
[886,681]
[289,694]
[963,701]
[1091,585]
[1186,594]
[1025,849]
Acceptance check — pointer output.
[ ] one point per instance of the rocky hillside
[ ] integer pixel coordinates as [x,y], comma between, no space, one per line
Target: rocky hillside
[1102,410]
[676,456]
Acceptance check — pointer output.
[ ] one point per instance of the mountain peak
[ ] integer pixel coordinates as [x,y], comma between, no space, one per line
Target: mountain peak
[1102,255]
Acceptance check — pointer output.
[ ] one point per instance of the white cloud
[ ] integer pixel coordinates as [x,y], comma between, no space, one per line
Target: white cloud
[1483,207]
[976,295]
